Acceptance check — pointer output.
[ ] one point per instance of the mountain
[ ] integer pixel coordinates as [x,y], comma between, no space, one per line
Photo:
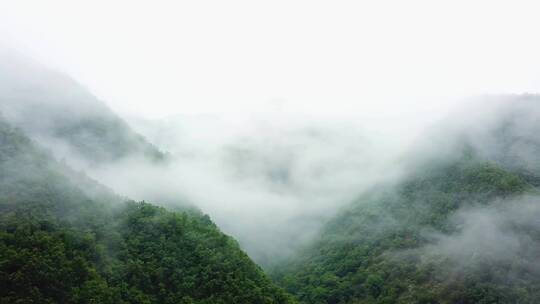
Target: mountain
[284,174]
[66,239]
[460,227]
[60,113]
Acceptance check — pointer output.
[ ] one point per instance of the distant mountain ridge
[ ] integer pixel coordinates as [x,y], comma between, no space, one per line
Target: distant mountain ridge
[459,228]
[63,115]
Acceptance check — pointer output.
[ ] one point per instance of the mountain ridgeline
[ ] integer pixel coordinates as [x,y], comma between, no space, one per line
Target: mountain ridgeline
[460,227]
[64,116]
[66,239]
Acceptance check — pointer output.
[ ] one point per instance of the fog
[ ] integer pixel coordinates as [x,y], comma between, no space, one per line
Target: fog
[501,232]
[270,179]
[478,236]
[272,117]
[383,57]
[499,128]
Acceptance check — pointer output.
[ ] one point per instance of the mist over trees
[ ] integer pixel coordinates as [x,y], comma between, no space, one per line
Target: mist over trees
[64,116]
[460,227]
[66,239]
[334,209]
[274,182]
[274,179]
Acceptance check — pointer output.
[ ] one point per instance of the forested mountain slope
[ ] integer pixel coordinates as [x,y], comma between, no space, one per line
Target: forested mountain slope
[507,134]
[461,227]
[67,239]
[63,115]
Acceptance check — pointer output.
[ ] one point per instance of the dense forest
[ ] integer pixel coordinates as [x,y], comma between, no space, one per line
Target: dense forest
[458,228]
[460,225]
[67,239]
[371,253]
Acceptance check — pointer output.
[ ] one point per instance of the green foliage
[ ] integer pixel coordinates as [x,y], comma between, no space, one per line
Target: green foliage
[105,137]
[66,239]
[370,253]
[59,111]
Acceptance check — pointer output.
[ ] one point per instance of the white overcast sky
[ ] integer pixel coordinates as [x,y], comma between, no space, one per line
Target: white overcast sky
[156,58]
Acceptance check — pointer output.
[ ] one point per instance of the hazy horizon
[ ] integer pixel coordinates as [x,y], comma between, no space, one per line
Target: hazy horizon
[385,59]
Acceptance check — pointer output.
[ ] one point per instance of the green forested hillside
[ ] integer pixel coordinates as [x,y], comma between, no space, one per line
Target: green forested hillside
[57,111]
[511,137]
[66,239]
[460,227]
[387,247]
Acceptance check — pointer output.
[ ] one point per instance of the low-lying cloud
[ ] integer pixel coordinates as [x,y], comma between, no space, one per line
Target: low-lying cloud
[501,232]
[270,184]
